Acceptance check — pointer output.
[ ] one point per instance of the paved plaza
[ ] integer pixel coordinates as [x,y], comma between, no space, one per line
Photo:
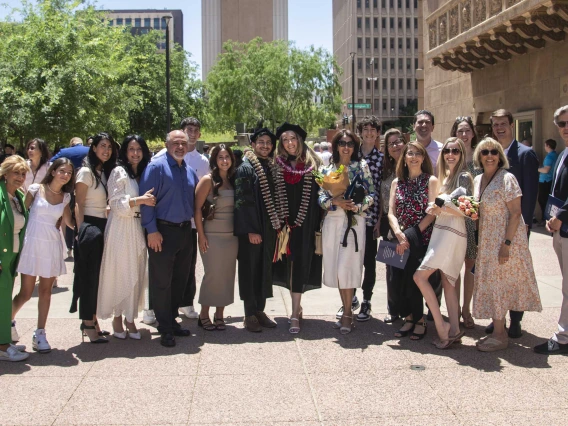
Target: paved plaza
[317,377]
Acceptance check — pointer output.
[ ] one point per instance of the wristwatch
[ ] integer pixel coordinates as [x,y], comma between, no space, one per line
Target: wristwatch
[507,242]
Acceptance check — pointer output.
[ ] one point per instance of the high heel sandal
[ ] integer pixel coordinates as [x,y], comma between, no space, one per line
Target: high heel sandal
[300,315]
[206,324]
[118,334]
[292,329]
[404,333]
[419,336]
[86,329]
[136,335]
[219,323]
[102,332]
[346,330]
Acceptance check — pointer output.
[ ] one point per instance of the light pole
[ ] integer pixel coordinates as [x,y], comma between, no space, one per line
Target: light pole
[168,120]
[352,54]
[372,79]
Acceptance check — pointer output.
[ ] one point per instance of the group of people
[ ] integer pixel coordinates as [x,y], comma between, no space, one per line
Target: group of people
[139,222]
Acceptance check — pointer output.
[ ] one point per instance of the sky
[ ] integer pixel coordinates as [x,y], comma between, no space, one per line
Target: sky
[309,21]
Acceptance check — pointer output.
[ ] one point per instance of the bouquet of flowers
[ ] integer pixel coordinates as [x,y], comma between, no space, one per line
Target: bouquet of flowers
[468,205]
[336,183]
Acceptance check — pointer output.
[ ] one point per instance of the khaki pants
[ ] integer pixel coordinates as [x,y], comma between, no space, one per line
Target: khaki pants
[561,248]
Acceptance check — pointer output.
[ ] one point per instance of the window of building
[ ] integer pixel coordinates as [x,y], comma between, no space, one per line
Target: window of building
[367,3]
[368,63]
[392,43]
[376,42]
[110,23]
[384,84]
[408,4]
[408,84]
[400,84]
[399,23]
[359,4]
[384,23]
[376,64]
[415,23]
[128,22]
[392,83]
[399,4]
[407,44]
[408,64]
[367,43]
[400,64]
[392,63]
[368,85]
[391,4]
[407,23]
[360,83]
[415,4]
[385,64]
[391,23]
[119,21]
[376,23]
[375,3]
[359,63]
[377,104]
[376,83]
[384,4]
[137,22]
[400,43]
[415,63]
[157,23]
[367,24]
[359,23]
[384,105]
[392,105]
[147,22]
[415,84]
[384,43]
[416,44]
[164,24]
[359,43]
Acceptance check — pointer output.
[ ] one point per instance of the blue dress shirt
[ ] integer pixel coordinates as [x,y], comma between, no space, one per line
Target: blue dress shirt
[174,189]
[75,153]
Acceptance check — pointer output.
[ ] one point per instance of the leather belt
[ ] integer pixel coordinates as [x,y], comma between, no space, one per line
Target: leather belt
[176,225]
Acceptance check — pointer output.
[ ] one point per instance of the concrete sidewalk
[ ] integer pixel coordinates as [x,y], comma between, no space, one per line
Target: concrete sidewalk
[316,377]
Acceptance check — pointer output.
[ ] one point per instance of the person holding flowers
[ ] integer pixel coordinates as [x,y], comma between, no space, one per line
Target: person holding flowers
[504,274]
[344,251]
[296,266]
[447,247]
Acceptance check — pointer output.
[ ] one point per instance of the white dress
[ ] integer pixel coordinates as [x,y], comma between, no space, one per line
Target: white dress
[42,254]
[124,269]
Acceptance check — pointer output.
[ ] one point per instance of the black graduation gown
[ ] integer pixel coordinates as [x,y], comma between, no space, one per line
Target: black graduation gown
[306,273]
[251,216]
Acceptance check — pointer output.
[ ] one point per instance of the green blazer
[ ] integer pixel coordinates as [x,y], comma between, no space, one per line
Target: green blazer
[7,227]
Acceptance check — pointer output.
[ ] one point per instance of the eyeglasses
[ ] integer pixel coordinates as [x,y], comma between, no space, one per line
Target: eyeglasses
[454,151]
[486,152]
[414,154]
[343,143]
[396,143]
[561,123]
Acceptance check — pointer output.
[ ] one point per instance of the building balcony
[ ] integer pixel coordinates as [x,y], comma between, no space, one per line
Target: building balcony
[466,35]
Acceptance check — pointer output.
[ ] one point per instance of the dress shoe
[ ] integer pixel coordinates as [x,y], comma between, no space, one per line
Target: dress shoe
[183,332]
[265,320]
[552,347]
[251,324]
[167,340]
[515,330]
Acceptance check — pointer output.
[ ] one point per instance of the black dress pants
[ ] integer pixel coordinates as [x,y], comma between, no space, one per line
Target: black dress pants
[191,287]
[169,271]
[251,275]
[370,264]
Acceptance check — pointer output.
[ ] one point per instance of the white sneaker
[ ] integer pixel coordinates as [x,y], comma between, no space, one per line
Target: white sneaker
[148,317]
[15,335]
[39,342]
[13,355]
[189,312]
[20,348]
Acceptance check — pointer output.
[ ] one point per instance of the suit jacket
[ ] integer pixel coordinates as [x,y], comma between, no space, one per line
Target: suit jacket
[7,224]
[560,189]
[523,164]
[75,153]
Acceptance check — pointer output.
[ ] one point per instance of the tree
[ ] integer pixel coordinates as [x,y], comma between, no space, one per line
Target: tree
[275,82]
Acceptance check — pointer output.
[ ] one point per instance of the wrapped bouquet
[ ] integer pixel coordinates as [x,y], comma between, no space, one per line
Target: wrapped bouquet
[336,183]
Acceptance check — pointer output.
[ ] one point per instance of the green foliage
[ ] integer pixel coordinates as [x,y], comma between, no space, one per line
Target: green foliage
[64,72]
[275,82]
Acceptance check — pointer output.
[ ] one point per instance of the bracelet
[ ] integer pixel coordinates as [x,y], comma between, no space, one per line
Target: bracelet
[134,202]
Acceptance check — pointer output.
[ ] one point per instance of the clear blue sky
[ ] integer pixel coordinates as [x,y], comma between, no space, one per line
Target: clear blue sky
[309,21]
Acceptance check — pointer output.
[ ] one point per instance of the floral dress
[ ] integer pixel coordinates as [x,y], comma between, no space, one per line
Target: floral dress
[343,266]
[411,202]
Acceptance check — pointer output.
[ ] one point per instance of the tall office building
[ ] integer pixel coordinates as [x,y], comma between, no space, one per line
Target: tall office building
[240,20]
[382,36]
[141,21]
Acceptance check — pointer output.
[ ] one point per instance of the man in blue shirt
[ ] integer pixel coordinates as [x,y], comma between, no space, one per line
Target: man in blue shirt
[168,225]
[76,153]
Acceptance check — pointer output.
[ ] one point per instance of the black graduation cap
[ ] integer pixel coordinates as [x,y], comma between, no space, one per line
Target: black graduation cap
[293,127]
[261,132]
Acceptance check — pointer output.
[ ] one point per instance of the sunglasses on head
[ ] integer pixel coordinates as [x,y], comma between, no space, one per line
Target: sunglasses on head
[343,143]
[486,152]
[454,151]
[464,118]
[561,123]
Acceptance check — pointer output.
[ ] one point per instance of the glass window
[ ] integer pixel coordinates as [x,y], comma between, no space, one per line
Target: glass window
[375,23]
[399,23]
[137,22]
[400,43]
[400,84]
[408,23]
[392,64]
[376,64]
[367,4]
[415,4]
[384,4]
[408,64]
[384,84]
[359,4]
[384,105]
[367,63]
[359,63]
[367,43]
[391,23]
[359,43]
[128,22]
[360,83]
[368,84]
[376,83]
[399,4]
[376,104]
[400,64]
[157,23]
[376,43]
[385,63]
[391,4]
[384,43]
[367,23]
[415,23]
[164,25]
[407,44]
[416,44]
[383,23]
[408,4]
[119,21]
[392,43]
[408,84]
[359,23]
[392,83]
[415,63]
[392,104]
[147,22]
[375,2]
[110,23]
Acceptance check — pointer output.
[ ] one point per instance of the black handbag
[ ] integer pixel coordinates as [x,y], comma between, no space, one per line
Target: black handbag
[356,193]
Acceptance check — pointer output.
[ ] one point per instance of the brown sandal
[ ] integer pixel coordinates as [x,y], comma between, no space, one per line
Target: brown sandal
[206,324]
[468,321]
[219,323]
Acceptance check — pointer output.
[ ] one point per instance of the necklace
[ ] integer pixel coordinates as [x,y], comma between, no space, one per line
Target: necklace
[293,175]
[267,195]
[282,199]
[49,187]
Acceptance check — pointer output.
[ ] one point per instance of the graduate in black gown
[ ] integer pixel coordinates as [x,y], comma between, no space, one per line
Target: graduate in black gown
[256,224]
[297,267]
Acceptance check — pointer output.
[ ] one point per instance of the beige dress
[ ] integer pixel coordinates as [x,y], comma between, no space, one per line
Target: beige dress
[511,286]
[220,260]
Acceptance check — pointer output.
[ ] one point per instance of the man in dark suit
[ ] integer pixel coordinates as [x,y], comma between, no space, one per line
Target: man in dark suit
[558,343]
[523,164]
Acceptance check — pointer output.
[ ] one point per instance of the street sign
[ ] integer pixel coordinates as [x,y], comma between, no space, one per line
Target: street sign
[359,106]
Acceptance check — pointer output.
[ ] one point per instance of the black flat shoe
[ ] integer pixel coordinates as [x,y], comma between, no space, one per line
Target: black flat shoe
[552,347]
[182,332]
[404,333]
[167,340]
[515,330]
[419,336]
[88,331]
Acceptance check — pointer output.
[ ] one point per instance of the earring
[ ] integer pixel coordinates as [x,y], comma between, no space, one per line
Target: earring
[405,165]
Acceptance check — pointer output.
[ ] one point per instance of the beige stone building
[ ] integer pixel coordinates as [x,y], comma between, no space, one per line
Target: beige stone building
[482,55]
[239,20]
[383,35]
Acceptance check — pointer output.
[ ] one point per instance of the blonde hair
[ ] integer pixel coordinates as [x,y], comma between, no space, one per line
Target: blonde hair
[305,153]
[489,143]
[13,163]
[402,170]
[452,180]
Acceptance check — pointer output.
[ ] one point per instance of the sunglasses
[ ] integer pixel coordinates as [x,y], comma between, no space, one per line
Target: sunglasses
[464,118]
[561,123]
[486,152]
[454,151]
[349,144]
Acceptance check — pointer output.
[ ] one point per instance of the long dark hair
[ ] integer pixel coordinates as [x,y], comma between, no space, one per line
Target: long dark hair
[389,163]
[92,161]
[215,175]
[469,121]
[335,148]
[123,157]
[42,146]
[69,186]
